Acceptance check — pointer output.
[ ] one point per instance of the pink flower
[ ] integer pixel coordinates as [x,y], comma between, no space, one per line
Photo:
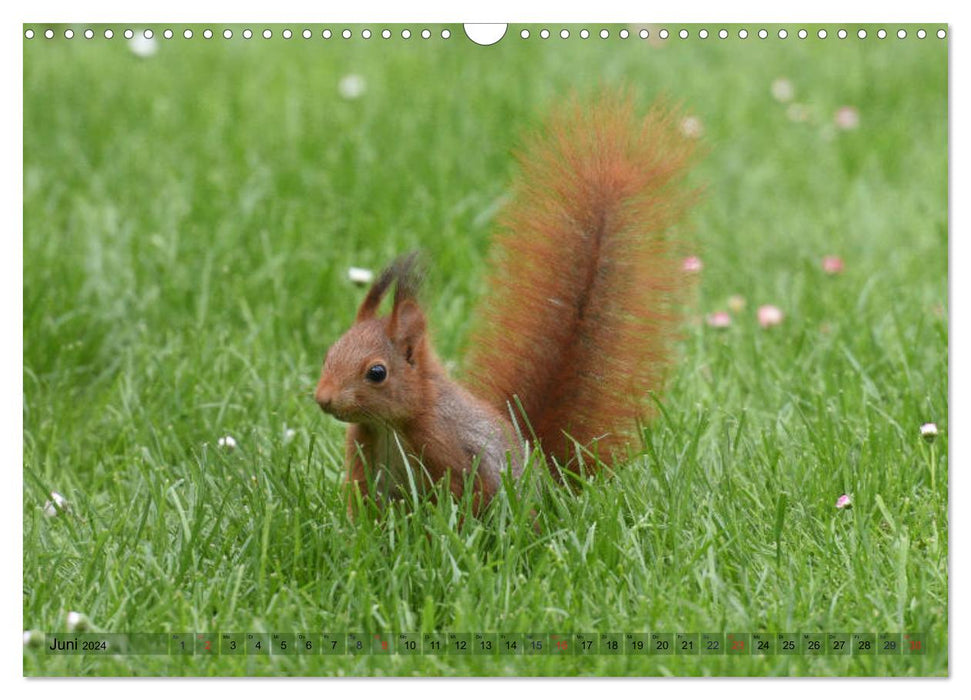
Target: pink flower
[770,315]
[719,319]
[847,118]
[692,264]
[832,264]
[844,502]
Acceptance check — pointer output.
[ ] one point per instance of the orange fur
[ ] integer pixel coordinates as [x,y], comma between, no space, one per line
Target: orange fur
[586,278]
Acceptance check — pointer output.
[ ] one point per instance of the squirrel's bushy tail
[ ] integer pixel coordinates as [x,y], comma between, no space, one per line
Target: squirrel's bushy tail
[583,303]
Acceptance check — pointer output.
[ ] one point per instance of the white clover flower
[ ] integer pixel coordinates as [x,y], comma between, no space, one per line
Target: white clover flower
[57,505]
[928,431]
[288,435]
[227,442]
[360,275]
[33,638]
[351,86]
[77,622]
[143,46]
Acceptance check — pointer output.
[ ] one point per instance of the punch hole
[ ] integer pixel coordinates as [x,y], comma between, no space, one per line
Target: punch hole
[168,34]
[148,34]
[109,34]
[366,33]
[703,33]
[228,34]
[129,33]
[861,33]
[187,33]
[446,34]
[524,34]
[663,34]
[743,34]
[267,33]
[405,33]
[921,34]
[783,33]
[287,34]
[881,34]
[941,34]
[307,33]
[604,33]
[564,34]
[644,33]
[385,33]
[763,34]
[89,34]
[486,34]
[821,33]
[803,34]
[841,33]
[326,34]
[902,34]
[584,34]
[49,34]
[247,34]
[346,33]
[425,34]
[722,33]
[544,34]
[29,34]
[207,34]
[684,34]
[68,33]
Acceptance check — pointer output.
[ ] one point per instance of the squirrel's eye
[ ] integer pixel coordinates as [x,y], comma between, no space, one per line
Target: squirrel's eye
[376,373]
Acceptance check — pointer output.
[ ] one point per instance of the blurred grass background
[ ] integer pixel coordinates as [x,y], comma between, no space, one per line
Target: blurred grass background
[189,218]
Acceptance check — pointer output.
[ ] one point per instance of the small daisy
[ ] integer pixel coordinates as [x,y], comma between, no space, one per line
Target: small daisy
[928,431]
[77,622]
[351,86]
[360,275]
[692,127]
[228,442]
[770,315]
[57,505]
[143,46]
[782,90]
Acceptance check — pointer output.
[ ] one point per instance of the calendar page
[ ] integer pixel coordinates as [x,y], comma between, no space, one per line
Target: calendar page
[397,349]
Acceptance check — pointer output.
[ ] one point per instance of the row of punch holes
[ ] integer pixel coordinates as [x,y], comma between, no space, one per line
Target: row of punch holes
[643,33]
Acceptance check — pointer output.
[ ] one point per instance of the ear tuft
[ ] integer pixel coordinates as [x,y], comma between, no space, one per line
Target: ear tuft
[407,328]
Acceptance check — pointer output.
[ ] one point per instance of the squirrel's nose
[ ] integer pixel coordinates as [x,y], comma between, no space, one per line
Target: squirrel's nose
[324,396]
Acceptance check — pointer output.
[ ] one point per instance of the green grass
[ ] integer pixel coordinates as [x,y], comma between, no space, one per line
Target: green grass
[188,222]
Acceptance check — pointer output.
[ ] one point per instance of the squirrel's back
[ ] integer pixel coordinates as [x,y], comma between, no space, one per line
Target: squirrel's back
[586,281]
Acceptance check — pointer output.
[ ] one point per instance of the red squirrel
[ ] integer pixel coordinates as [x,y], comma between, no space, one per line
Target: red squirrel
[575,332]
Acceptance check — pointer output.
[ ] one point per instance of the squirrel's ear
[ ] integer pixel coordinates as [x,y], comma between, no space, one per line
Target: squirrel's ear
[407,327]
